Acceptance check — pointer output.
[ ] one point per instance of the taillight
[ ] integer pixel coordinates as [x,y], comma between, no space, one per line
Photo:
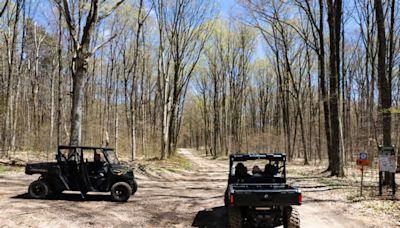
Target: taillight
[231,199]
[300,198]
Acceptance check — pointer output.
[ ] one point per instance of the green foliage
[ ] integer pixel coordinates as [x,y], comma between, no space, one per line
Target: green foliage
[175,163]
[180,162]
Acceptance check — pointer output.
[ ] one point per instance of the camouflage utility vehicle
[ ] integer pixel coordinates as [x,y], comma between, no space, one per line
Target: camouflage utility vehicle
[84,169]
[260,197]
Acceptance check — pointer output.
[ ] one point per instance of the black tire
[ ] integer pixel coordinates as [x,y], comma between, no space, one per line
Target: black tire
[121,191]
[134,187]
[38,189]
[291,218]
[234,217]
[226,199]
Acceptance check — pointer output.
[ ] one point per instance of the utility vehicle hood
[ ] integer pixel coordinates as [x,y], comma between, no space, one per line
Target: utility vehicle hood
[121,169]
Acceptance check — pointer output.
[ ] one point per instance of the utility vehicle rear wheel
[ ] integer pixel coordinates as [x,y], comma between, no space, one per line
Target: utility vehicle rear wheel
[226,199]
[292,218]
[234,217]
[38,189]
[121,191]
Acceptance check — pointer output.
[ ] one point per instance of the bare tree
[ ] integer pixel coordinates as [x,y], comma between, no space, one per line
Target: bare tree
[11,44]
[384,86]
[80,48]
[334,22]
[132,75]
[182,34]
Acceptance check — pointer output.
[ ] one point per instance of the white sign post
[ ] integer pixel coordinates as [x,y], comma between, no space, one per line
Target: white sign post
[387,163]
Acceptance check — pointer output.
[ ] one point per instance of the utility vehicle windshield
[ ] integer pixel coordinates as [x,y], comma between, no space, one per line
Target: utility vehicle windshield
[111,157]
[257,170]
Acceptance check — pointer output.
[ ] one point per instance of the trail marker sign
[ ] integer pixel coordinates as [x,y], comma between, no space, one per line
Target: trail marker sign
[362,161]
[363,155]
[387,160]
[388,164]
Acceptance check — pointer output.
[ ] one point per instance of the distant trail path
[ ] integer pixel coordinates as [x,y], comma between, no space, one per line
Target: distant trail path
[164,199]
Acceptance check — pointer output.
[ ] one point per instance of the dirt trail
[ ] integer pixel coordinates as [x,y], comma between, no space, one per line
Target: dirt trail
[185,199]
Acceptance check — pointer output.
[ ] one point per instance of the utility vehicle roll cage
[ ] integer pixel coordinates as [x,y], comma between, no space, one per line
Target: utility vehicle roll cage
[63,147]
[75,152]
[277,159]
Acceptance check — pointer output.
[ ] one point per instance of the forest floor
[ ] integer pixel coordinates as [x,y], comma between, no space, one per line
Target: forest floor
[191,195]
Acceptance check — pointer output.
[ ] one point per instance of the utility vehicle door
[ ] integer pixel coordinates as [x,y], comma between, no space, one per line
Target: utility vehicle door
[83,175]
[68,161]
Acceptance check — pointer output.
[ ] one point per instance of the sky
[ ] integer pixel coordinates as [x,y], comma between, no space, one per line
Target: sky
[230,8]
[227,6]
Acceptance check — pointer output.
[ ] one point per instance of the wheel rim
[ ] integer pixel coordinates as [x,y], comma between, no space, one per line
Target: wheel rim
[120,191]
[39,189]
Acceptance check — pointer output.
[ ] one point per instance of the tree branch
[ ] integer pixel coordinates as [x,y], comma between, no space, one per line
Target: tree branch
[4,8]
[90,23]
[64,8]
[104,43]
[110,12]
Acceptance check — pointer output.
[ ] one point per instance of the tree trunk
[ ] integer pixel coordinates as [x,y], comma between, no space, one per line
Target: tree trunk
[334,21]
[78,85]
[11,49]
[384,86]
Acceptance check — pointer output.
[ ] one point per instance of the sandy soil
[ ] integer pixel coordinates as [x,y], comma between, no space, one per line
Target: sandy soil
[164,199]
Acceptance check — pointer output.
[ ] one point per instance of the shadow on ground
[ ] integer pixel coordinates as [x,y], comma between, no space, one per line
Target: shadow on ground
[214,217]
[68,197]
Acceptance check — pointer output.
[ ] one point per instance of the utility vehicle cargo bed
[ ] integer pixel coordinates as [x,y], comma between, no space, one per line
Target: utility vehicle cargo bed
[260,195]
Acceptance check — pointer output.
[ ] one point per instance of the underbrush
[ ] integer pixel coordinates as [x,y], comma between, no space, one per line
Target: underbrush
[385,206]
[10,169]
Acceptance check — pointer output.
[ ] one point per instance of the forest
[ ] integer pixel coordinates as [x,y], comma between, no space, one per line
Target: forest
[318,80]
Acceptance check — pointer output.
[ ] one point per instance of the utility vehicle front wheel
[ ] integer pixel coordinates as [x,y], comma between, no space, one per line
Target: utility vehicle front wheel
[121,191]
[38,189]
[292,218]
[234,217]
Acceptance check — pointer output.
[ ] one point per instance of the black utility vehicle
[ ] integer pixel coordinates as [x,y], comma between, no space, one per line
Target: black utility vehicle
[84,169]
[260,197]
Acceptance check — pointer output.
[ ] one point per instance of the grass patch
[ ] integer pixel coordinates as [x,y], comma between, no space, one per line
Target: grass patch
[384,206]
[10,169]
[332,182]
[354,196]
[221,158]
[173,164]
[180,162]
